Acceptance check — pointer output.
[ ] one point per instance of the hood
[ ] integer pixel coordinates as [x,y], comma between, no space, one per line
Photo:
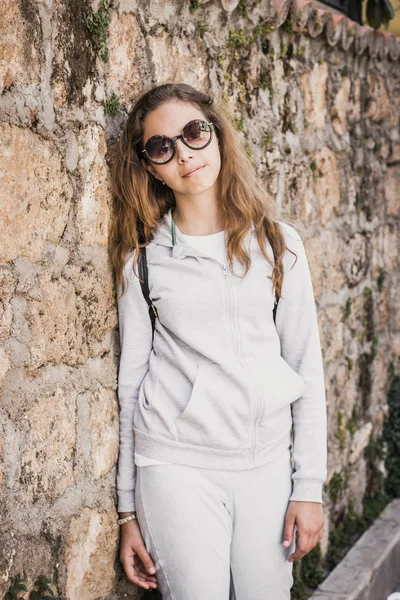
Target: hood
[162,235]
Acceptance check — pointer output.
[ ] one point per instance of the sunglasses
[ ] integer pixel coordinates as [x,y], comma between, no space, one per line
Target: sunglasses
[196,134]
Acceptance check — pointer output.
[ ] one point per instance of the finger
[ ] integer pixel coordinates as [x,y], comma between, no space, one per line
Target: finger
[303,546]
[147,584]
[133,576]
[288,529]
[300,553]
[142,581]
[146,559]
[315,540]
[132,573]
[142,573]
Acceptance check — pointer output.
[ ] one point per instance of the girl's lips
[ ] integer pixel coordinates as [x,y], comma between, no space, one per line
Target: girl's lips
[194,172]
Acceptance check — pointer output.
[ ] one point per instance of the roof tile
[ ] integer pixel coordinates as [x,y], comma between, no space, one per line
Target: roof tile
[312,20]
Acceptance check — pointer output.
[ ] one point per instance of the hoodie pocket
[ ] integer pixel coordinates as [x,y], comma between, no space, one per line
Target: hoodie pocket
[148,387]
[282,386]
[217,415]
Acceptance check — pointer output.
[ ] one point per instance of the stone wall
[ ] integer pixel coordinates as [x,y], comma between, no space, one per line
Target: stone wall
[318,106]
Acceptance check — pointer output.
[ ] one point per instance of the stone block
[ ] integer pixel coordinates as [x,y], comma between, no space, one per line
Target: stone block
[35,193]
[313,86]
[90,552]
[47,441]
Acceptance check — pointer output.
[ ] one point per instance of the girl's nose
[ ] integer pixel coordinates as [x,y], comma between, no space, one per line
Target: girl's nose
[182,150]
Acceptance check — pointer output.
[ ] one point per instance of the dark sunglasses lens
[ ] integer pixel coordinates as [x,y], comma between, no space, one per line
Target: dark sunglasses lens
[197,133]
[159,148]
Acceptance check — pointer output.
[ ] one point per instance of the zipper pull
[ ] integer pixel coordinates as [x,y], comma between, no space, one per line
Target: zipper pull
[224,271]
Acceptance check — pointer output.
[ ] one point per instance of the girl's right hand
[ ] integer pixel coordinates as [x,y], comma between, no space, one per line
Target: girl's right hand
[134,556]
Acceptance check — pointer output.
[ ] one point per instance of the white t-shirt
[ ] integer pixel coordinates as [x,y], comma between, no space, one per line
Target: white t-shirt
[212,245]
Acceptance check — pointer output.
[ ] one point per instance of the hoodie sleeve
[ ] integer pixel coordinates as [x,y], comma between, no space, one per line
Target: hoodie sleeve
[297,327]
[135,334]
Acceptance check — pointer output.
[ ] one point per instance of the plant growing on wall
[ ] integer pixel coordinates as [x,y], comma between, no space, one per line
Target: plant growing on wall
[17,585]
[42,591]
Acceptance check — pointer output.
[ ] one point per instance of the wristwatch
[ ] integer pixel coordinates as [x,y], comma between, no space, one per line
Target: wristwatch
[126,519]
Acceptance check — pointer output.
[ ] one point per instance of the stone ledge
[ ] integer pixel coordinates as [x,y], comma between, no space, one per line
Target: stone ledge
[370,570]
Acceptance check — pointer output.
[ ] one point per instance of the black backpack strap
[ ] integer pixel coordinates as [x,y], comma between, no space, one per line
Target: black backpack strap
[144,282]
[276,299]
[275,307]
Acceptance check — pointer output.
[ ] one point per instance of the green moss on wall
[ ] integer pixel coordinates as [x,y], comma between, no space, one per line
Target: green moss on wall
[348,308]
[391,436]
[237,39]
[347,529]
[381,279]
[354,420]
[340,433]
[194,5]
[243,9]
[288,26]
[98,23]
[337,485]
[111,105]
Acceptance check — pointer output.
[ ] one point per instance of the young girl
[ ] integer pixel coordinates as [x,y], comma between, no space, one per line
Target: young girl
[213,401]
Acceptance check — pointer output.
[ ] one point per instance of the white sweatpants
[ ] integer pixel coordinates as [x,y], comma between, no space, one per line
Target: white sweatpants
[216,534]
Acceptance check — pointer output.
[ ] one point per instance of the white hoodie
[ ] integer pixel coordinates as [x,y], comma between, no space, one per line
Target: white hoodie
[222,386]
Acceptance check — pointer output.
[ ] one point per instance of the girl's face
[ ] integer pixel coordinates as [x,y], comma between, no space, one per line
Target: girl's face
[169,119]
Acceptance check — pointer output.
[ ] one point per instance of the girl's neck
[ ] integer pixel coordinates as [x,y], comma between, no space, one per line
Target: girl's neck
[198,223]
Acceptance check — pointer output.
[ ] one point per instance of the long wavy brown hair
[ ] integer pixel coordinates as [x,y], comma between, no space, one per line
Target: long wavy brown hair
[140,200]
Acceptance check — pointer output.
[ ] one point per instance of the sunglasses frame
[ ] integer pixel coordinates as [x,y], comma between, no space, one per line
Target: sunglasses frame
[176,137]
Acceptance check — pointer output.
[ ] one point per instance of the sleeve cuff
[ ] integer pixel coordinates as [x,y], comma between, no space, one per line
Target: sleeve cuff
[307,490]
[126,501]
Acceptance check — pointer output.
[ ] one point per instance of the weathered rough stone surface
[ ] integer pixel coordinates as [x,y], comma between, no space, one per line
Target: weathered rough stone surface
[327,184]
[378,100]
[341,107]
[355,259]
[35,194]
[103,427]
[1,463]
[332,250]
[93,208]
[89,555]
[19,48]
[313,85]
[127,49]
[319,122]
[313,247]
[360,440]
[46,449]
[72,59]
[185,65]
[391,186]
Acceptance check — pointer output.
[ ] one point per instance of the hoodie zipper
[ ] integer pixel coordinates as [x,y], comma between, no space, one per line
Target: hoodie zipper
[235,337]
[258,412]
[258,395]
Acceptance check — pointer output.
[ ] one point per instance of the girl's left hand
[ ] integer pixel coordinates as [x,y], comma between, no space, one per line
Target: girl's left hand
[309,518]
